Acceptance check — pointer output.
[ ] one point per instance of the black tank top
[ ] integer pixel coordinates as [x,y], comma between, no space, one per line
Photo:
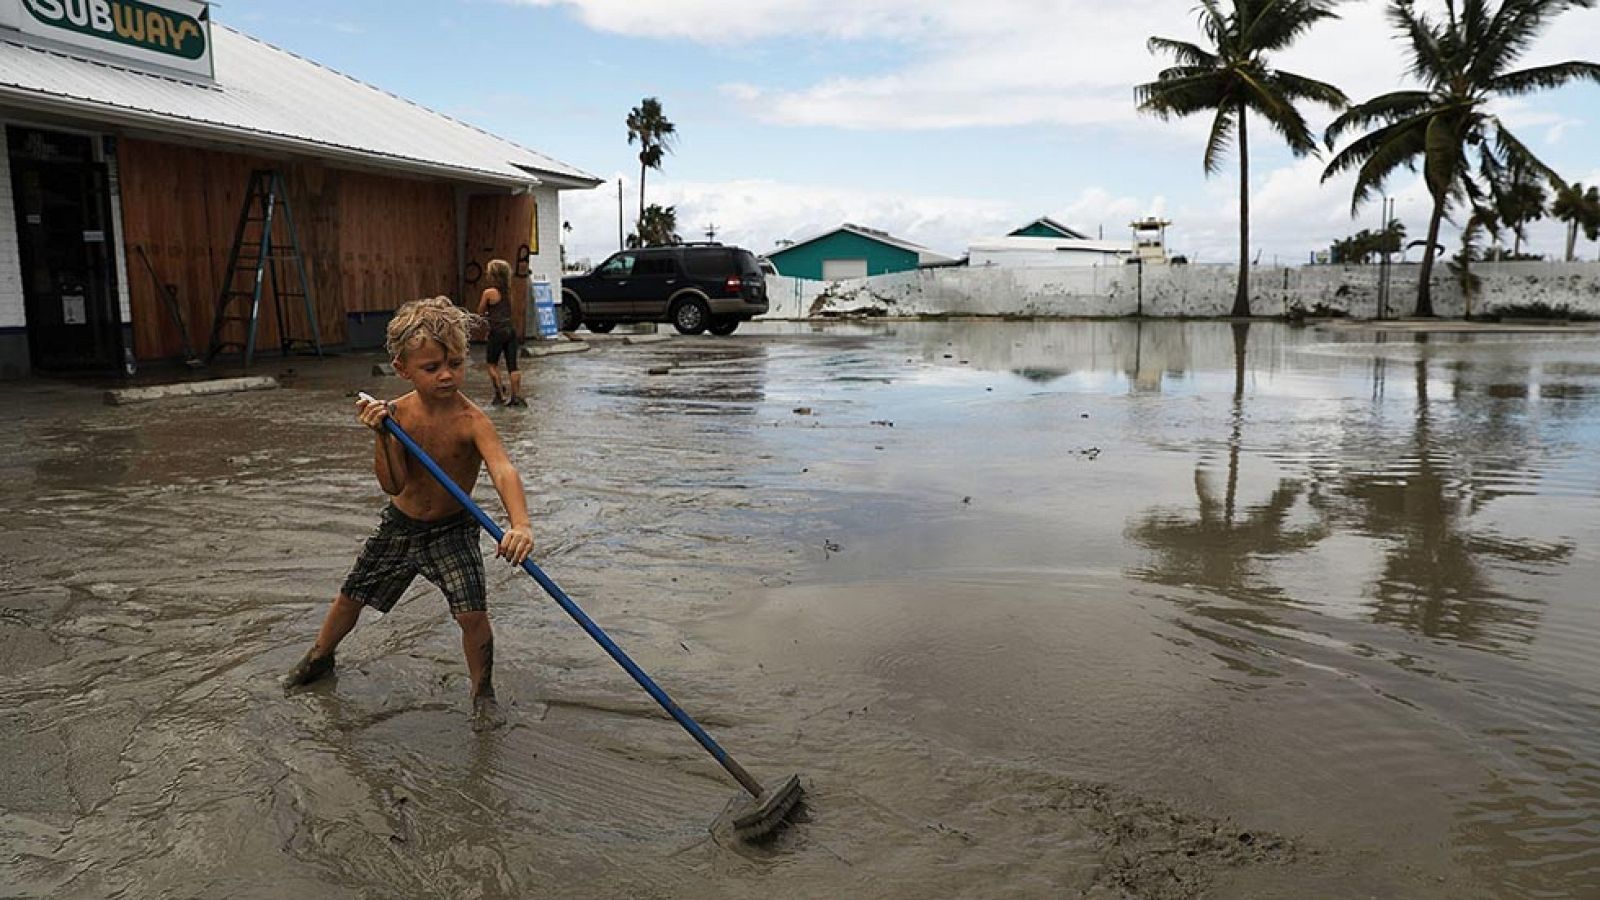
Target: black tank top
[500,314]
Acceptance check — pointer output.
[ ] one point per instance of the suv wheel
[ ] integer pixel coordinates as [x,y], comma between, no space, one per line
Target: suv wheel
[568,316]
[723,327]
[690,316]
[601,327]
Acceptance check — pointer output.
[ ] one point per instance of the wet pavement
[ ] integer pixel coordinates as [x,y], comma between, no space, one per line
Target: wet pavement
[1104,609]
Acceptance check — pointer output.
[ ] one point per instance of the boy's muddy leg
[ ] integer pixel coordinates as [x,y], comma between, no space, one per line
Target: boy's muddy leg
[318,661]
[477,642]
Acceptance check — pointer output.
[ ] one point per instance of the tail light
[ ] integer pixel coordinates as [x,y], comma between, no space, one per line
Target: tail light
[735,285]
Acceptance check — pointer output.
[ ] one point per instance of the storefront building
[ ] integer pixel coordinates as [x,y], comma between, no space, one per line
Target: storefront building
[129,130]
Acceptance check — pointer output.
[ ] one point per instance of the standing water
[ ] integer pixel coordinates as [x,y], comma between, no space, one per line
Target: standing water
[1039,609]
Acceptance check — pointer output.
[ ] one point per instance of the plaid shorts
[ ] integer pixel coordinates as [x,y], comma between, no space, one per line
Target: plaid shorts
[444,551]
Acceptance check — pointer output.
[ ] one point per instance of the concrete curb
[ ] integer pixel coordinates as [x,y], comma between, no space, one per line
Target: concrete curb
[191,389]
[631,339]
[554,349]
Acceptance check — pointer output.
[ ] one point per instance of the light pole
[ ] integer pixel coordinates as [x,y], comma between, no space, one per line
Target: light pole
[619,214]
[1386,208]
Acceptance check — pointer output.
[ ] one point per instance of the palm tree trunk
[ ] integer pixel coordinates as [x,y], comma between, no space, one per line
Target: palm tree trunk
[1425,272]
[1241,297]
[1572,238]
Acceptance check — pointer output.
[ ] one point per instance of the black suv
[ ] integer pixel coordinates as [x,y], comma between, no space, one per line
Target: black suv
[696,287]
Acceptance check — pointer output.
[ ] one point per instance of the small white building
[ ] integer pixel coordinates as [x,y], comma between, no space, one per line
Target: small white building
[1046,253]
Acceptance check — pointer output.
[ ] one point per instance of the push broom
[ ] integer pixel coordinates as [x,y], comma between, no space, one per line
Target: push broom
[751,818]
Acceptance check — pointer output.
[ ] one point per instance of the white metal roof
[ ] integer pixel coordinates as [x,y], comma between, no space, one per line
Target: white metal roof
[1045,244]
[270,98]
[924,255]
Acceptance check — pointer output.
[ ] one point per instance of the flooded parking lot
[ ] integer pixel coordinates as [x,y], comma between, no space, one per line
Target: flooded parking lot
[1037,609]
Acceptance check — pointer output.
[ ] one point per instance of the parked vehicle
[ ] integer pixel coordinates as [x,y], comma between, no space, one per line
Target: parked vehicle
[695,287]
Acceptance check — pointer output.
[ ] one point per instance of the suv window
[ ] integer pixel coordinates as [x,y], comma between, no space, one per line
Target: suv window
[747,262]
[713,262]
[657,264]
[618,266]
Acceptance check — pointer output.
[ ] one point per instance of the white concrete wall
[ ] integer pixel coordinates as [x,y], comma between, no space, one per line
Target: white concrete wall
[546,264]
[1176,291]
[11,306]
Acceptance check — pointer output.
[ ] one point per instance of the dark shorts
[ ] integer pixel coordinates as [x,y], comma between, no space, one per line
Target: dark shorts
[504,340]
[445,552]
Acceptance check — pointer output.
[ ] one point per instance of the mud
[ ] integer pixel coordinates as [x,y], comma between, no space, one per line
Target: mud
[1171,610]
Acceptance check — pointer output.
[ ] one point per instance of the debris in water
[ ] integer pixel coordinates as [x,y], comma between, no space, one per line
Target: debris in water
[658,370]
[802,410]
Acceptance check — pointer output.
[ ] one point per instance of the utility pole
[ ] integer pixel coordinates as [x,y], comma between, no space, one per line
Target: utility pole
[619,214]
[1387,209]
[711,232]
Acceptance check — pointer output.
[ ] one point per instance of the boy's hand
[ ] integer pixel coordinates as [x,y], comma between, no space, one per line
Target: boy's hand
[516,545]
[372,413]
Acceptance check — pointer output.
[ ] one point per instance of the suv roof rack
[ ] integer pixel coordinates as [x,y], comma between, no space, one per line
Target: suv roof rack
[701,244]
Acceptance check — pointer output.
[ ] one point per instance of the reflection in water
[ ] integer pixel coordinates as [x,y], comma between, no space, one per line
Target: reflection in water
[1219,549]
[1442,569]
[1433,580]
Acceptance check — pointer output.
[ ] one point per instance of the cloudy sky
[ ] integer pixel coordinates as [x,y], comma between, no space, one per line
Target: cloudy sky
[941,121]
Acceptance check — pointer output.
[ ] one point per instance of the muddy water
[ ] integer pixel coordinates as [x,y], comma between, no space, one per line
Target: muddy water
[1069,609]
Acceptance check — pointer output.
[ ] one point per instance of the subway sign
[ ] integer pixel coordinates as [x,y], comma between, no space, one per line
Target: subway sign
[174,34]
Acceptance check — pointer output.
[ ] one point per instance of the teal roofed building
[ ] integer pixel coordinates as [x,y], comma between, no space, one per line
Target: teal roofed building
[853,251]
[1046,227]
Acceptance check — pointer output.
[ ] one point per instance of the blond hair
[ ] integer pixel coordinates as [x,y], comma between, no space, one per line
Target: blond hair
[436,319]
[499,272]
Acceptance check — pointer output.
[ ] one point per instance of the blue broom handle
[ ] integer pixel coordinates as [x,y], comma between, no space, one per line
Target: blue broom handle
[595,631]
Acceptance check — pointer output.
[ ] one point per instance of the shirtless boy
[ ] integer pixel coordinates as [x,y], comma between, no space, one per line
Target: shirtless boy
[424,530]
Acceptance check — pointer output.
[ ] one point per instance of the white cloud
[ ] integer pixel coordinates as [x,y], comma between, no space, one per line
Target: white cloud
[1010,62]
[1066,63]
[1293,213]
[757,214]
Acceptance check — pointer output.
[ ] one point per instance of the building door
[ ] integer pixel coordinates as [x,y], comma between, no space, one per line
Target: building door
[840,269]
[64,235]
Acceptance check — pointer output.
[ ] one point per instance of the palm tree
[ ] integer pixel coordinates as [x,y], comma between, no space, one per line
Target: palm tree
[1463,62]
[1521,200]
[1483,218]
[658,227]
[1233,79]
[648,126]
[1579,207]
